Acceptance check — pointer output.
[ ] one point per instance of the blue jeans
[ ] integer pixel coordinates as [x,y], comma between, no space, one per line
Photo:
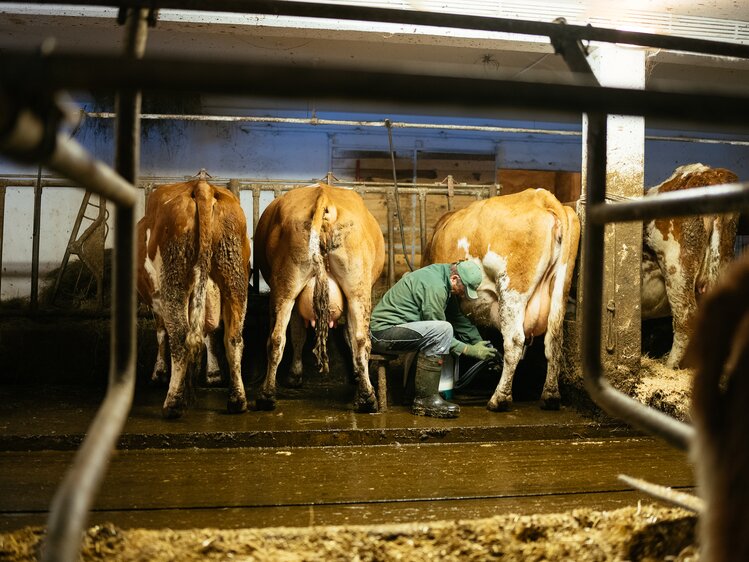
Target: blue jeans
[430,337]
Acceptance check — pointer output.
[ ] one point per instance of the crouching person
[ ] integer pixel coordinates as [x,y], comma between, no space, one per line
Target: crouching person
[421,313]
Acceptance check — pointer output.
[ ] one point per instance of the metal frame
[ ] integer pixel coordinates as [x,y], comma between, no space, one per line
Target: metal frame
[277,187]
[33,73]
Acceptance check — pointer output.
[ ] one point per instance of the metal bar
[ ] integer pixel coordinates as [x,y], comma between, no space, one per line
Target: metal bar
[255,219]
[2,230]
[389,201]
[81,71]
[405,125]
[74,497]
[697,201]
[687,501]
[35,242]
[71,160]
[423,221]
[574,54]
[614,402]
[436,19]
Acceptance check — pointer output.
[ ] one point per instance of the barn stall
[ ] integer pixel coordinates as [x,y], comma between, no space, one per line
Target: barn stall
[441,159]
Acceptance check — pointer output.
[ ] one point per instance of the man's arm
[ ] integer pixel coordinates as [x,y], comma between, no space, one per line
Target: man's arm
[464,330]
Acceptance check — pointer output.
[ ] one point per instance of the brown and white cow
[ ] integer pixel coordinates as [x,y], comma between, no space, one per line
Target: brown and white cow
[193,270]
[527,244]
[719,352]
[320,250]
[682,257]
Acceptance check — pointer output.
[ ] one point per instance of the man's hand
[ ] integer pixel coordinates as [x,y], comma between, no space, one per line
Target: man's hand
[481,350]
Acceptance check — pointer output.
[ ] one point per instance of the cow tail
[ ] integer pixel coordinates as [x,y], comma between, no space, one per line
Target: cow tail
[204,198]
[320,240]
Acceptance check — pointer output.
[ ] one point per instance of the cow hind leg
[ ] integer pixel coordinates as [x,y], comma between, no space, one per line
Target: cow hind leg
[213,375]
[298,334]
[160,374]
[266,399]
[176,397]
[514,339]
[550,397]
[357,326]
[233,315]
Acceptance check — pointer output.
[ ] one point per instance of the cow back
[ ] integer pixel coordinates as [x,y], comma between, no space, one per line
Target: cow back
[282,236]
[510,226]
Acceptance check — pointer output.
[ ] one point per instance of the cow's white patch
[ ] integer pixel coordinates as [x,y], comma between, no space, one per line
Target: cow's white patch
[464,245]
[153,269]
[495,268]
[713,255]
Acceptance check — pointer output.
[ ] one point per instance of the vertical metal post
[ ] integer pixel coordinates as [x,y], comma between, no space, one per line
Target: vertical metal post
[391,250]
[255,219]
[2,230]
[592,257]
[75,495]
[234,186]
[35,242]
[423,221]
[614,402]
[450,192]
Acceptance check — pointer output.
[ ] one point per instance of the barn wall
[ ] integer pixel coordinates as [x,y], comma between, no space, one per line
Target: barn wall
[304,153]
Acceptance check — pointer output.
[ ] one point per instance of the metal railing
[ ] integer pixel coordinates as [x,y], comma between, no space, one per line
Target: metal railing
[422,191]
[34,73]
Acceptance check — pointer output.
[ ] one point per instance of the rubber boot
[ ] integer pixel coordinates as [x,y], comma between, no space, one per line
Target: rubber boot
[427,401]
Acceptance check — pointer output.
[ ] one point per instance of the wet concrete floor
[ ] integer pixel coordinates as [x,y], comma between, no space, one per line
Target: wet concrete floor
[314,461]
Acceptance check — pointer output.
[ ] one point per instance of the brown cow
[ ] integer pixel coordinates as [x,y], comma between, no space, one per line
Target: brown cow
[193,270]
[682,257]
[320,250]
[719,350]
[527,244]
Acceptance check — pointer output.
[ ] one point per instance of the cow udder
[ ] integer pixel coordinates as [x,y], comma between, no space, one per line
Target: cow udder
[537,310]
[305,302]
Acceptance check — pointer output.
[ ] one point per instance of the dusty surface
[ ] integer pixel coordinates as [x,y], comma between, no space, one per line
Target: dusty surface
[639,533]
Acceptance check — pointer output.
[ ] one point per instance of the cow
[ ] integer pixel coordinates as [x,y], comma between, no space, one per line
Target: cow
[719,353]
[193,271]
[526,244]
[682,257]
[320,251]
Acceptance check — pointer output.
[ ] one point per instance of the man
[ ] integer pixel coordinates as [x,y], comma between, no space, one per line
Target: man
[421,313]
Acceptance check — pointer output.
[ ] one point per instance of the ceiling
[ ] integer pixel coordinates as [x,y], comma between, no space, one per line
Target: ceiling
[400,47]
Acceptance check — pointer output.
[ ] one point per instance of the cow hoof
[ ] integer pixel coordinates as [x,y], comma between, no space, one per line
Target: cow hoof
[160,378]
[500,406]
[172,412]
[366,404]
[293,380]
[213,378]
[266,403]
[236,405]
[552,403]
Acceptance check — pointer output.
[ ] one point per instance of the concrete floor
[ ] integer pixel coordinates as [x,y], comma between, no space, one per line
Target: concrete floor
[314,461]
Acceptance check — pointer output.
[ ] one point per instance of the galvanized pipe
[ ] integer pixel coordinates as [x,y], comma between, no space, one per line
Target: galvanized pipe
[697,201]
[2,229]
[316,122]
[436,19]
[74,497]
[36,242]
[614,402]
[68,158]
[75,71]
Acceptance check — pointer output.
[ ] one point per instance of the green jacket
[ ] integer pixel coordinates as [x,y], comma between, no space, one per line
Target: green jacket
[425,294]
